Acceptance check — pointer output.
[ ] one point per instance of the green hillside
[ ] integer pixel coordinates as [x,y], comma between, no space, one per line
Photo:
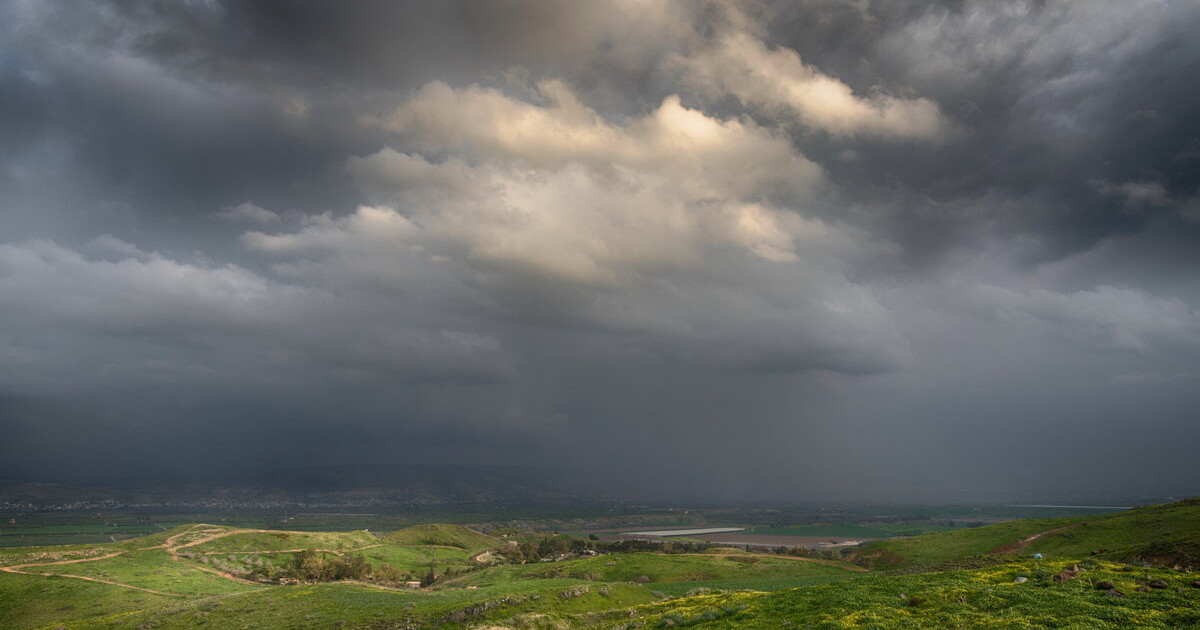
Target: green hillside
[941,547]
[444,535]
[1163,534]
[1095,574]
[674,574]
[977,599]
[262,540]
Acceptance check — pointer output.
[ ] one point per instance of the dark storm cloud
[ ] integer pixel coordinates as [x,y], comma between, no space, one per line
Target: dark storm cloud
[834,248]
[1055,99]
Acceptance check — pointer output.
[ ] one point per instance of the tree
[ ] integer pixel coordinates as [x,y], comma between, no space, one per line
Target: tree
[356,567]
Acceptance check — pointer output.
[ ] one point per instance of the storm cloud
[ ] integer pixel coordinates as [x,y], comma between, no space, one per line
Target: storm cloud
[805,250]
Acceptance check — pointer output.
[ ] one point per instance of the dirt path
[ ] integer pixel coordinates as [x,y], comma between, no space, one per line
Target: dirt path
[171,546]
[17,569]
[12,568]
[173,549]
[1020,545]
[340,552]
[484,557]
[98,580]
[426,546]
[218,573]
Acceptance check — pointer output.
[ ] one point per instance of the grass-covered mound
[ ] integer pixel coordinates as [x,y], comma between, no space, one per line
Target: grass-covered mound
[265,540]
[444,535]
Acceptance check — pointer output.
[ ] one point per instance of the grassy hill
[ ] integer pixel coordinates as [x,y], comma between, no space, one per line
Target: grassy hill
[446,536]
[1161,534]
[674,574]
[1165,535]
[977,599]
[214,577]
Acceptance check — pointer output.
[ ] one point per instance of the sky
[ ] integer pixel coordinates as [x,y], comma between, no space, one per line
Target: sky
[805,250]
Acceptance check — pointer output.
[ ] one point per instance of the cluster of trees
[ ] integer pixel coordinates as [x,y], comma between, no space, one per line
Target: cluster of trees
[533,550]
[631,546]
[556,545]
[310,565]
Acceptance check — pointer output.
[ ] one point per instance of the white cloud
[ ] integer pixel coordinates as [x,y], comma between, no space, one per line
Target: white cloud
[135,293]
[556,189]
[779,83]
[107,243]
[248,212]
[666,229]
[118,317]
[1106,318]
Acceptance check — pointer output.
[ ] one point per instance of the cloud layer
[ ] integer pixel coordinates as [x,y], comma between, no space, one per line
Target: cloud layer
[838,249]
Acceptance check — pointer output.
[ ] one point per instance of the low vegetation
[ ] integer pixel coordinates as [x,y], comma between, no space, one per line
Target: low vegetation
[1125,570]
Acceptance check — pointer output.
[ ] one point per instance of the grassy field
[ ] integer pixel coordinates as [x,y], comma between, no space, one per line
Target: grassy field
[897,553]
[663,572]
[150,569]
[985,598]
[1165,534]
[280,541]
[187,577]
[444,536]
[1149,533]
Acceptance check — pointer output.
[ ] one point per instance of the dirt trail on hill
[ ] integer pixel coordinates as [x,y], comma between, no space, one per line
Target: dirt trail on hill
[17,569]
[173,549]
[420,545]
[11,568]
[218,573]
[1020,545]
[340,552]
[170,546]
[98,580]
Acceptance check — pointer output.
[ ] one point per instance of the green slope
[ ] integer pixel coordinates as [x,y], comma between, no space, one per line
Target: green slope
[337,606]
[672,574]
[444,535]
[937,588]
[32,601]
[942,547]
[979,599]
[1164,534]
